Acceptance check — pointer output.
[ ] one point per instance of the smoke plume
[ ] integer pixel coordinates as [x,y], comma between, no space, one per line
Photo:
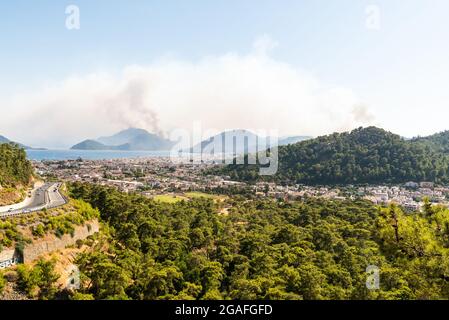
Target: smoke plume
[230,91]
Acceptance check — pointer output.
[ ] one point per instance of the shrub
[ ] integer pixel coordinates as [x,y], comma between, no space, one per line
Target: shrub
[79,243]
[81,296]
[2,282]
[39,280]
[38,231]
[20,246]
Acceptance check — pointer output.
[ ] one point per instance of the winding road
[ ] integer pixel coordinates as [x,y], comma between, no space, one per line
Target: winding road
[41,197]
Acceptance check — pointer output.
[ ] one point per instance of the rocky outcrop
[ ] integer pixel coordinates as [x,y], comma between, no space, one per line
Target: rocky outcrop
[40,247]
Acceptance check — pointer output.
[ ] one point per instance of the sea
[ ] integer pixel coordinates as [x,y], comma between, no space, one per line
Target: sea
[40,155]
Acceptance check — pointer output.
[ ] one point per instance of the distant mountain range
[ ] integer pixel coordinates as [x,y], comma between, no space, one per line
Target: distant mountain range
[242,141]
[134,139]
[131,139]
[224,142]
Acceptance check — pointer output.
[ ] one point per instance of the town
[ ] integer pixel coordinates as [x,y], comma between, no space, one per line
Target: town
[158,176]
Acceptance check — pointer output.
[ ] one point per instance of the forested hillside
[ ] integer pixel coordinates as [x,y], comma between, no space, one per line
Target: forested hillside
[15,169]
[365,155]
[438,142]
[263,249]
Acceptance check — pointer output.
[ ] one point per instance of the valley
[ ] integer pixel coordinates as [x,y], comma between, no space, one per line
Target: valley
[208,232]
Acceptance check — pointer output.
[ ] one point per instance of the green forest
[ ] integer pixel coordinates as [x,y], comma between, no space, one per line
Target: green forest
[365,155]
[15,169]
[264,249]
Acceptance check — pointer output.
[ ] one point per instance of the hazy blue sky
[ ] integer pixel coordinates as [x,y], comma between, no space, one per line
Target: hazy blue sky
[398,72]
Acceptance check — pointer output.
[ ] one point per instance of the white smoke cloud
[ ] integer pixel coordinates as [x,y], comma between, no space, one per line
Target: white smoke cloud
[252,91]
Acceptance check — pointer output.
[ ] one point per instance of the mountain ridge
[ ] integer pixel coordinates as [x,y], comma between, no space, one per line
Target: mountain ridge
[3,139]
[93,145]
[131,139]
[248,141]
[363,155]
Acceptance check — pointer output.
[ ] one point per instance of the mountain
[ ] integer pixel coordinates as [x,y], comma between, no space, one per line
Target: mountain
[244,141]
[6,140]
[364,155]
[93,145]
[439,142]
[122,137]
[127,140]
[292,140]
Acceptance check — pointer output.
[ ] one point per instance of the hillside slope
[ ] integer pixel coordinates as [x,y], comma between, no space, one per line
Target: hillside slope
[364,155]
[439,142]
[3,139]
[15,169]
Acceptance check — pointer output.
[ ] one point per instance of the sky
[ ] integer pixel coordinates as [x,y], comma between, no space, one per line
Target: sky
[299,67]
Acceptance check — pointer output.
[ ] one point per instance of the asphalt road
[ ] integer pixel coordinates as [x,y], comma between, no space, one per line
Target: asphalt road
[47,196]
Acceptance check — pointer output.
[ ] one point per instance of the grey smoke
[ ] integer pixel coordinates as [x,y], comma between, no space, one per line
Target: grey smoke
[131,107]
[362,114]
[229,91]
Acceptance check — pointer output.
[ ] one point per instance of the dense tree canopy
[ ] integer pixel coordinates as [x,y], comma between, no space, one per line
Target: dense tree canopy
[365,155]
[264,249]
[438,142]
[14,167]
[38,280]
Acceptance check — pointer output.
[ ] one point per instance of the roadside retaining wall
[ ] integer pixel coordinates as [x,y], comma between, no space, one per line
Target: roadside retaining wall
[40,247]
